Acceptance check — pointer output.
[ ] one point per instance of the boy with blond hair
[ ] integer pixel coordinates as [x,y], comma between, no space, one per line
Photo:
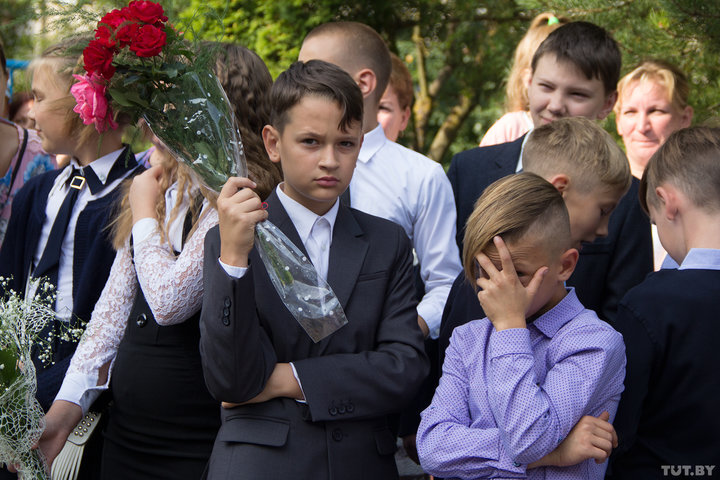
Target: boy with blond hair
[667,421]
[591,173]
[522,388]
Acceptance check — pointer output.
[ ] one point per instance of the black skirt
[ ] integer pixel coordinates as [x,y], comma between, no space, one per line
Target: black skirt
[163,421]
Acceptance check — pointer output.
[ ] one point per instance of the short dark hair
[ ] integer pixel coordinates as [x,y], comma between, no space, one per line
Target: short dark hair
[587,46]
[317,78]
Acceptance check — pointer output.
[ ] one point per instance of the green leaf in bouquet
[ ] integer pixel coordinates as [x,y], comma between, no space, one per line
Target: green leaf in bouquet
[130,79]
[120,97]
[9,370]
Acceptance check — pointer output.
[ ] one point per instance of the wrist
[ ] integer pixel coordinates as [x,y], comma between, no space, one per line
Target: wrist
[64,415]
[234,259]
[508,322]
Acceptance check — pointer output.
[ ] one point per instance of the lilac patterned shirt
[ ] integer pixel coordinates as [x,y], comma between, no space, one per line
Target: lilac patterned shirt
[507,399]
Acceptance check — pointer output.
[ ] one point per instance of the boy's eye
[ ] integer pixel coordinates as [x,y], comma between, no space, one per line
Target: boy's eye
[385,108]
[309,141]
[347,144]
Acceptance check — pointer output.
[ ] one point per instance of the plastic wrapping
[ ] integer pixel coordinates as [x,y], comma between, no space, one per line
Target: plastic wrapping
[308,297]
[194,119]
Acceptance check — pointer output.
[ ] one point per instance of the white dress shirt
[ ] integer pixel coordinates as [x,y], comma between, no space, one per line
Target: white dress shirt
[396,183]
[101,167]
[317,240]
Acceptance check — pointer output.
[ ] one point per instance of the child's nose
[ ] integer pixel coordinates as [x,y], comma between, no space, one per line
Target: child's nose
[602,230]
[556,105]
[328,158]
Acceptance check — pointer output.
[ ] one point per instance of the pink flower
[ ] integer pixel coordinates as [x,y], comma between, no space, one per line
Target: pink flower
[92,104]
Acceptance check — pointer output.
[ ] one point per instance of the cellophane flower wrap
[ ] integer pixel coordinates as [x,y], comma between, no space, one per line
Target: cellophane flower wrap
[21,417]
[150,71]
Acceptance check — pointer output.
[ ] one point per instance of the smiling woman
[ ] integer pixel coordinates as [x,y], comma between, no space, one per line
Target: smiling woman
[652,104]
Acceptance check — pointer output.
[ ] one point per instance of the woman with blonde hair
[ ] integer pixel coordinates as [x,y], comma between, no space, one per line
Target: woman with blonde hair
[652,104]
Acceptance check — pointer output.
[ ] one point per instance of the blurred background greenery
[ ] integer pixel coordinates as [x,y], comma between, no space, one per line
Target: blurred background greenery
[458,51]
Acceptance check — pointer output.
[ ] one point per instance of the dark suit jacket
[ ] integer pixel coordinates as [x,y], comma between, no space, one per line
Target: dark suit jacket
[607,268]
[668,411]
[352,380]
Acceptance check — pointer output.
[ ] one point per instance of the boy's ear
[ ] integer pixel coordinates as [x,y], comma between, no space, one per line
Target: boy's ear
[669,200]
[568,261]
[367,81]
[560,181]
[608,105]
[271,138]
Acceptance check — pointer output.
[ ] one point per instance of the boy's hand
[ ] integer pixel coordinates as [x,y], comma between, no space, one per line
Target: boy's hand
[504,299]
[145,193]
[282,383]
[591,437]
[239,210]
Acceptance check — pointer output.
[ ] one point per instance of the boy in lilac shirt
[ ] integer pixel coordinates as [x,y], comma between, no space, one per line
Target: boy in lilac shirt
[525,392]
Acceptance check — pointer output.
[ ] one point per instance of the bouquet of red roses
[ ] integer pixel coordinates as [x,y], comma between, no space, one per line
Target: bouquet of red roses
[140,65]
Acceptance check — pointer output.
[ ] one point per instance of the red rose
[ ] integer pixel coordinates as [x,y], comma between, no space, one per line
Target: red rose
[127,33]
[113,19]
[98,59]
[147,12]
[149,41]
[104,34]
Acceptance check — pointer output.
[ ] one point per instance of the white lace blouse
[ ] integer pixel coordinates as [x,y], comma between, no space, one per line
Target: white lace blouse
[172,286]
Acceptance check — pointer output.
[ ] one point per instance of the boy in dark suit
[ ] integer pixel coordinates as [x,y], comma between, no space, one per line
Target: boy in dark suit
[667,421]
[309,410]
[574,74]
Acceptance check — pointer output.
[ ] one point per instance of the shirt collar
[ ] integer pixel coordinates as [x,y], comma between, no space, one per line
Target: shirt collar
[553,320]
[102,166]
[519,166]
[701,259]
[302,218]
[372,142]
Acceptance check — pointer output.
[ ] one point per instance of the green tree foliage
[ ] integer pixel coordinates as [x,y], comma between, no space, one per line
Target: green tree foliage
[459,51]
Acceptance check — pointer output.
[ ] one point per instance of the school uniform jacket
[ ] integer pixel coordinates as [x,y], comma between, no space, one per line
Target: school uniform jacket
[607,268]
[92,258]
[351,380]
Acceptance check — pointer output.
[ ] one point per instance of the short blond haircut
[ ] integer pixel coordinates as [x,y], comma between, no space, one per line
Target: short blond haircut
[580,149]
[667,75]
[514,207]
[516,88]
[690,161]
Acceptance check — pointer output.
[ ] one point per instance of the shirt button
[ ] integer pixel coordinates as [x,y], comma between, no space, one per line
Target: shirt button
[341,410]
[333,411]
[227,302]
[516,464]
[226,321]
[141,320]
[337,435]
[350,407]
[226,312]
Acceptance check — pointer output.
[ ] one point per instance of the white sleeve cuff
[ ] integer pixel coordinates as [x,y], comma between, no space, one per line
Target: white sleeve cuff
[80,389]
[233,271]
[292,365]
[144,229]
